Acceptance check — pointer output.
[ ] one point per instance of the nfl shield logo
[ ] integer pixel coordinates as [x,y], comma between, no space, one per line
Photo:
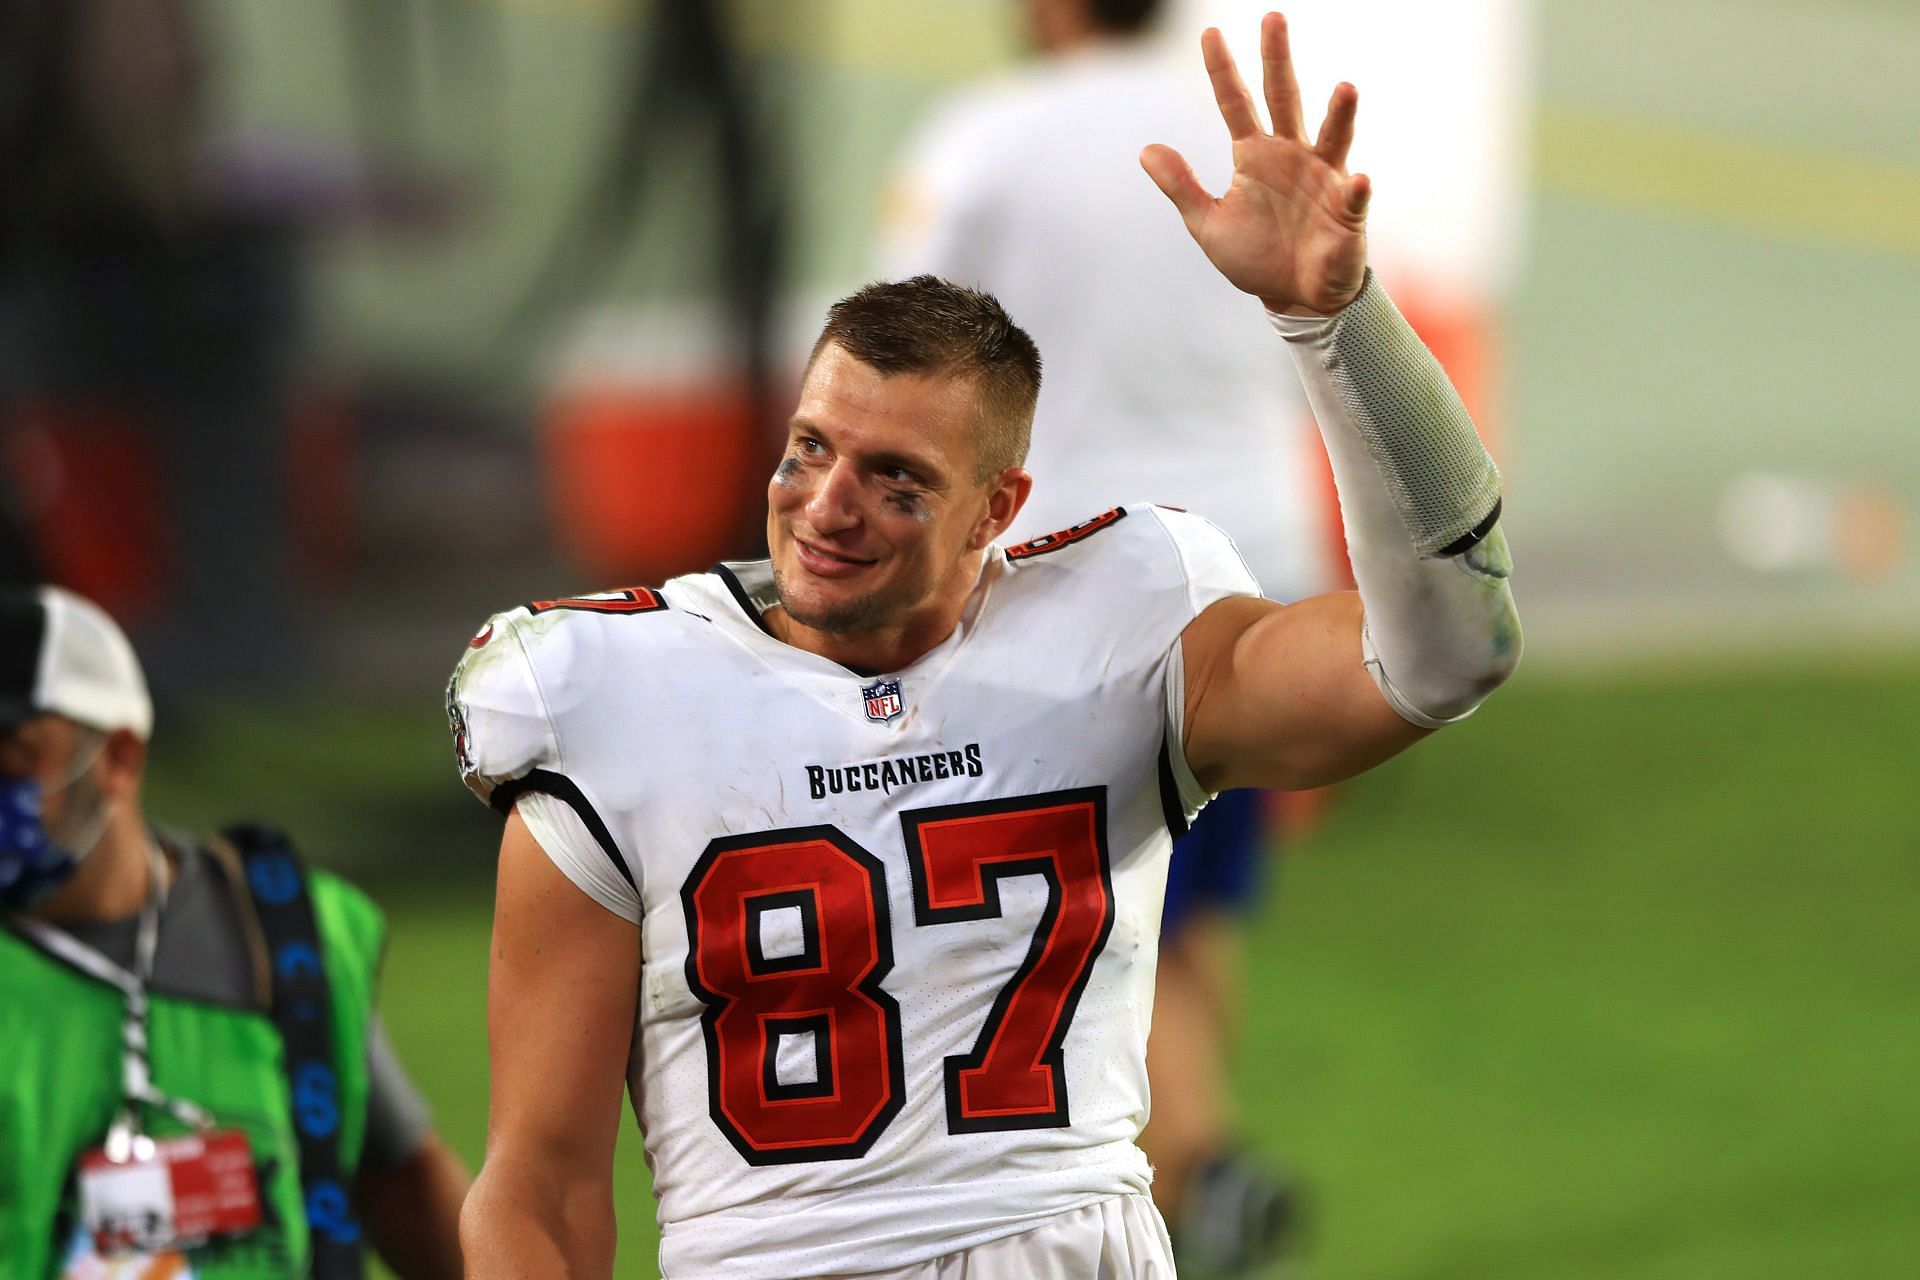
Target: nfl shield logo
[883,700]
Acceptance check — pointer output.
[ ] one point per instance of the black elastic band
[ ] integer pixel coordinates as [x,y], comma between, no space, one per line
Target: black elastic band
[1472,537]
[303,1014]
[1173,810]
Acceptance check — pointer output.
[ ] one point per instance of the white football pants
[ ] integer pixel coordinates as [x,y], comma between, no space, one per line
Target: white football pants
[1119,1238]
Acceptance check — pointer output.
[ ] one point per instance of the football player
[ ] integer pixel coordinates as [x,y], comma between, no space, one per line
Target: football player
[848,863]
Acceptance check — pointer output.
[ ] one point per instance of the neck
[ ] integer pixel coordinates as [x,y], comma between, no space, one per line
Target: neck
[113,881]
[868,652]
[878,650]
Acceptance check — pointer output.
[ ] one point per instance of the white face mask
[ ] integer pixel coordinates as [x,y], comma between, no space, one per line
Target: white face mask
[85,820]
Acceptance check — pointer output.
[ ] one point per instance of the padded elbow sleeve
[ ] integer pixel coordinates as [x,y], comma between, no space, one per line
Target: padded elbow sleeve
[1420,498]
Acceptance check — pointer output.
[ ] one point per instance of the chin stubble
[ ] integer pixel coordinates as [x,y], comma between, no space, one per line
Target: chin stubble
[862,614]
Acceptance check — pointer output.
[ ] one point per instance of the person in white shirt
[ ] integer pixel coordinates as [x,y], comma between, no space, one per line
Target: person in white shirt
[847,864]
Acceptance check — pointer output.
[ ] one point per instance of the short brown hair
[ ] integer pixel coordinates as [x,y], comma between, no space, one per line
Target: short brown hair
[930,325]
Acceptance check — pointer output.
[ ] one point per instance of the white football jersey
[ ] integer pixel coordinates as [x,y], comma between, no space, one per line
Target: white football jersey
[898,932]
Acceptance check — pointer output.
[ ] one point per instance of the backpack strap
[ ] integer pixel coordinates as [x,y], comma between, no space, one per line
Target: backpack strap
[302,1011]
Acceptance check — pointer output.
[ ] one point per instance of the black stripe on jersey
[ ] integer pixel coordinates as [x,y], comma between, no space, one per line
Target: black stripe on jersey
[741,598]
[561,787]
[1172,811]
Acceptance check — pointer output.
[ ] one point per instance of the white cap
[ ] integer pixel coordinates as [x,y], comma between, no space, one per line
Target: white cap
[61,653]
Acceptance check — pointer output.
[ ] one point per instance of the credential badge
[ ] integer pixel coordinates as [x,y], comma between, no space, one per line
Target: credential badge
[883,700]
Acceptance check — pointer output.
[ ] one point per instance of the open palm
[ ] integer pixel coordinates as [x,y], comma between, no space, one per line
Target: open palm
[1291,228]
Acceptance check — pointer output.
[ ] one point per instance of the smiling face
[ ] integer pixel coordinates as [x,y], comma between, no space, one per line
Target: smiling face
[877,514]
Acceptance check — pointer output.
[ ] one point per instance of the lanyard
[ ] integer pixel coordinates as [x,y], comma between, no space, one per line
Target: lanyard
[124,1138]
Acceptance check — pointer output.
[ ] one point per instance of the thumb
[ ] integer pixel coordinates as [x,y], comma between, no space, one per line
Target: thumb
[1174,176]
[1356,195]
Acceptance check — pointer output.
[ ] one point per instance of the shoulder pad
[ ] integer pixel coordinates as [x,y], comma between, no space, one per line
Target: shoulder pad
[1166,565]
[495,711]
[500,706]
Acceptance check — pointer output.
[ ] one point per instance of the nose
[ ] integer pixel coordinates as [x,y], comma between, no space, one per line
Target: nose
[834,504]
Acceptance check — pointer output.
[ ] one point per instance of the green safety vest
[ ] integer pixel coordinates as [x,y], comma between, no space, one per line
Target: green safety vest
[60,1055]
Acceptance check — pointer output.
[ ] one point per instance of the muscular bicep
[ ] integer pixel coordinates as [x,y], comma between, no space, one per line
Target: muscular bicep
[1278,695]
[561,998]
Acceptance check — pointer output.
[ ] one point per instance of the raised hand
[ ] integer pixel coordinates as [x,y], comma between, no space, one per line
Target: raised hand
[1291,228]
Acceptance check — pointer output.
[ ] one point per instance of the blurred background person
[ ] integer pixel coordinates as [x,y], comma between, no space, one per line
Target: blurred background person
[1157,389]
[198,1008]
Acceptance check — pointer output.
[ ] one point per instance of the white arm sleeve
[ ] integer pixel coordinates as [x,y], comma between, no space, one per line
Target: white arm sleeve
[1421,502]
[564,837]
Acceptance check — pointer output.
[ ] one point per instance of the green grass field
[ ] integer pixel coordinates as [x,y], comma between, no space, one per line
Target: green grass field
[1618,979]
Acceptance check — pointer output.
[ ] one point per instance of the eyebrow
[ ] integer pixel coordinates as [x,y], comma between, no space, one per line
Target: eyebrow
[926,468]
[922,467]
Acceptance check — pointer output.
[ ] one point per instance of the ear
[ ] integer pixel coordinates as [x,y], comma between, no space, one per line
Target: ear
[1004,500]
[123,764]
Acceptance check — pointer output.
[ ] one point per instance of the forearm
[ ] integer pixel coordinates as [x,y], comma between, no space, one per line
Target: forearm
[1421,503]
[518,1222]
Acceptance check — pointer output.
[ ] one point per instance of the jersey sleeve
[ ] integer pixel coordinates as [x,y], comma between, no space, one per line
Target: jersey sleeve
[498,717]
[1209,561]
[1213,570]
[563,835]
[508,738]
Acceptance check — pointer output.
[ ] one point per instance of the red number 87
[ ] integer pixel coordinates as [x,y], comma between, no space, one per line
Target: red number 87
[826,985]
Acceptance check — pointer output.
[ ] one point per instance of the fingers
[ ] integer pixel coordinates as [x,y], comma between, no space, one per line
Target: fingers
[1229,90]
[1336,131]
[1174,176]
[1283,90]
